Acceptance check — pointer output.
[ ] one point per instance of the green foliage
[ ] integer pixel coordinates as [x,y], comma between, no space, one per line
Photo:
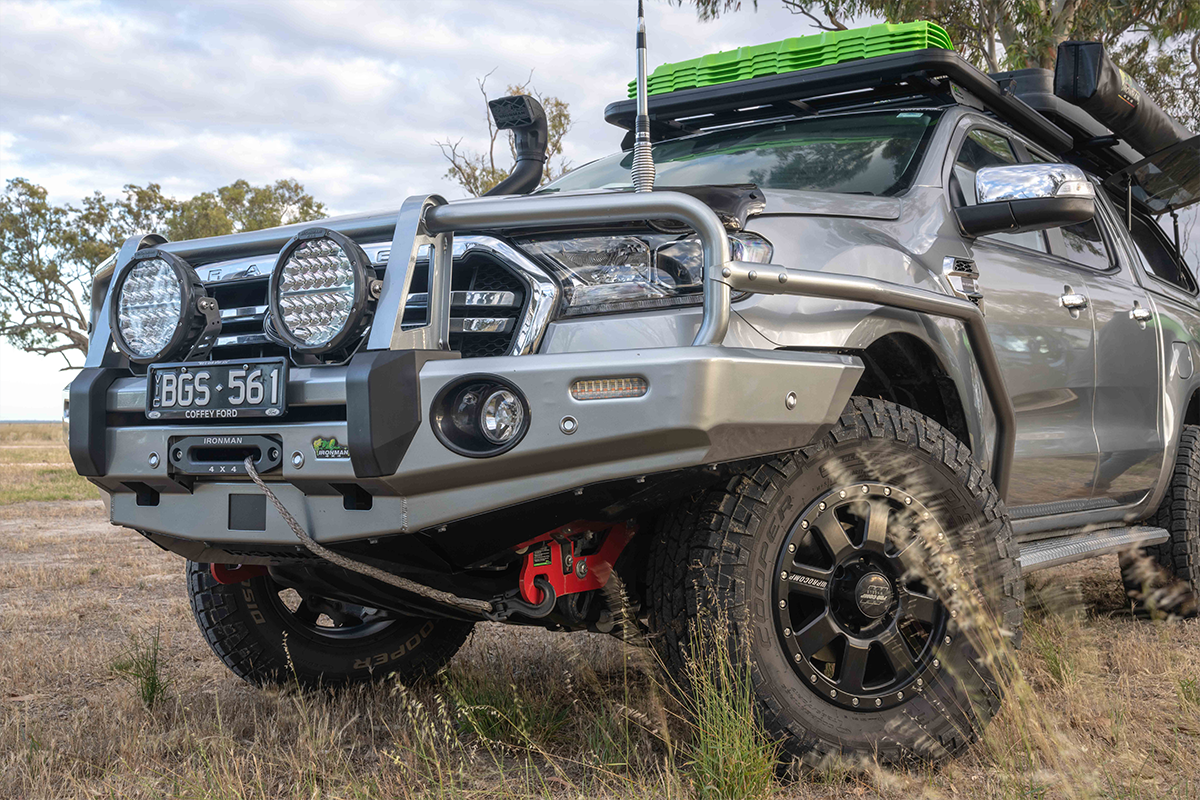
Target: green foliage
[49,254]
[477,172]
[730,755]
[1155,41]
[1189,691]
[505,715]
[142,666]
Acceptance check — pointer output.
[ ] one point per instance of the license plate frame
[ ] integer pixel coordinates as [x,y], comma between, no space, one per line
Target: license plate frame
[271,384]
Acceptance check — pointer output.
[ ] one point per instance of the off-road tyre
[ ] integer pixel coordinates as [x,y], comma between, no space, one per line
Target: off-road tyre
[1178,558]
[715,555]
[252,632]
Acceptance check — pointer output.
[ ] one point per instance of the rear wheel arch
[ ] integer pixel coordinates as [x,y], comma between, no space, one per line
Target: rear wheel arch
[1191,414]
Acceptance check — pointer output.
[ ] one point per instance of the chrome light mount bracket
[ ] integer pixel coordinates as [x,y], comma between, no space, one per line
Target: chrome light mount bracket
[411,237]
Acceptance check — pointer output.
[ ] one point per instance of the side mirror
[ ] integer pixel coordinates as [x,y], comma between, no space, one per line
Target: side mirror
[1028,197]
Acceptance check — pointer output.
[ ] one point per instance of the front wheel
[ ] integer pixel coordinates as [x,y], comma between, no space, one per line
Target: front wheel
[868,579]
[266,633]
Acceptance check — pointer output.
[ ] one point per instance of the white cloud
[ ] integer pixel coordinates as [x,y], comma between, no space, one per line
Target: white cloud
[346,97]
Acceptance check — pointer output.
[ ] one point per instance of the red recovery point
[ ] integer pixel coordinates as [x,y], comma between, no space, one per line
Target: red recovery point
[552,556]
[235,573]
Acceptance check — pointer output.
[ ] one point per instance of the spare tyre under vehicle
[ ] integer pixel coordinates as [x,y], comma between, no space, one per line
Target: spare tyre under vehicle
[819,567]
[266,633]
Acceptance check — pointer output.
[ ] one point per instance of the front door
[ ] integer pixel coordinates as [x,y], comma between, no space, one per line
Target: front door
[1039,316]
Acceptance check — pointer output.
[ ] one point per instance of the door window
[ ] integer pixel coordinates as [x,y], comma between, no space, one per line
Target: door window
[1157,258]
[1085,245]
[986,149]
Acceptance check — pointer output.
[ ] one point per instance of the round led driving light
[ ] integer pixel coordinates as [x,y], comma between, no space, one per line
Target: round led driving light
[501,416]
[319,296]
[154,313]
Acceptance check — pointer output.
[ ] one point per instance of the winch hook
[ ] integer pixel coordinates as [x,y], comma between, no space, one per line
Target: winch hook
[506,605]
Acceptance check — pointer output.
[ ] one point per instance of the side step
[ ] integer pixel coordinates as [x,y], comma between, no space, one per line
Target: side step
[1047,553]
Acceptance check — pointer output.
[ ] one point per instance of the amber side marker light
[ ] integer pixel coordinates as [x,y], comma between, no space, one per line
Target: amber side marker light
[609,388]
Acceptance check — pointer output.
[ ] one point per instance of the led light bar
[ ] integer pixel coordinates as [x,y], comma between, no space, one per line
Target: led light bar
[609,388]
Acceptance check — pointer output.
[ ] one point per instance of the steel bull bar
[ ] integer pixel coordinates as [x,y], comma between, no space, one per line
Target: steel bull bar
[432,222]
[428,223]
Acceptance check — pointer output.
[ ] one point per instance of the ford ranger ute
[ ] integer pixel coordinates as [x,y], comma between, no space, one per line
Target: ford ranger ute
[848,337]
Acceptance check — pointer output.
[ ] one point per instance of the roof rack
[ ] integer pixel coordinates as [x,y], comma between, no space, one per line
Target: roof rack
[932,73]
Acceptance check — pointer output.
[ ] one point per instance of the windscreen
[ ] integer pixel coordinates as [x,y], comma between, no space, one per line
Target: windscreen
[873,153]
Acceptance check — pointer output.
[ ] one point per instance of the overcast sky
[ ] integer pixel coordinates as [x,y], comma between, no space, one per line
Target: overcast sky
[346,97]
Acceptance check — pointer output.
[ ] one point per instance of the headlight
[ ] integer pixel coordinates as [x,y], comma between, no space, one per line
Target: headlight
[622,273]
[154,313]
[320,291]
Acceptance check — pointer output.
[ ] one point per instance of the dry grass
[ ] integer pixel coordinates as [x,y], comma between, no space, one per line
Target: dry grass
[35,466]
[1105,705]
[520,712]
[30,433]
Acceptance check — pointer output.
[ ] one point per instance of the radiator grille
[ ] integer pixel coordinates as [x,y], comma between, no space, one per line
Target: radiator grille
[487,302]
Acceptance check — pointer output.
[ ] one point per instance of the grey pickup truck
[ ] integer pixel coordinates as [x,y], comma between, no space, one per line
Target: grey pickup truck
[830,352]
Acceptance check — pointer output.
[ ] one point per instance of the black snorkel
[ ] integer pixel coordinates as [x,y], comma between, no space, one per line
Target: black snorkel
[525,117]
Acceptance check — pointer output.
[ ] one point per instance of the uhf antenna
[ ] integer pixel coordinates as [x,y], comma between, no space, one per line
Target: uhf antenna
[643,161]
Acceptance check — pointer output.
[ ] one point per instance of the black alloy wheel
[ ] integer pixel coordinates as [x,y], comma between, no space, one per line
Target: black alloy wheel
[839,572]
[858,624]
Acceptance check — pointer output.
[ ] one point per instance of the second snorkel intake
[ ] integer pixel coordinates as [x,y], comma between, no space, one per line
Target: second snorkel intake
[643,161]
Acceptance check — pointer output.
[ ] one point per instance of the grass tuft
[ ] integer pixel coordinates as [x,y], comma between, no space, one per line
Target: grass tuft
[1189,692]
[729,755]
[142,666]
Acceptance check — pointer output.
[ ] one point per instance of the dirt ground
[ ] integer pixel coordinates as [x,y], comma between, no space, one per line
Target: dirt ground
[1112,709]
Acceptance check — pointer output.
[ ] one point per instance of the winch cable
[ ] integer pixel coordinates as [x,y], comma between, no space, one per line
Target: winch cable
[483,607]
